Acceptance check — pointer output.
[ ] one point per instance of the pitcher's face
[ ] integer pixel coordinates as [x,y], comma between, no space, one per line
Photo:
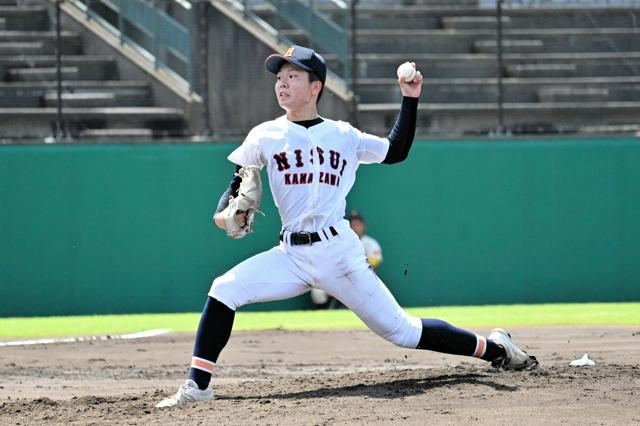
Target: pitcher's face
[293,89]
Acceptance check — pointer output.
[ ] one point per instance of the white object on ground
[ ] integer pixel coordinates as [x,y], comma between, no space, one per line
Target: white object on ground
[582,362]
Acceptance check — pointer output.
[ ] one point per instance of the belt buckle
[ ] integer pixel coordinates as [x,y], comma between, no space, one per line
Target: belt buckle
[306,236]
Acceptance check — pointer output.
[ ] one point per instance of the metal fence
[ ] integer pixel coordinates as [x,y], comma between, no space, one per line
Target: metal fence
[147,28]
[326,25]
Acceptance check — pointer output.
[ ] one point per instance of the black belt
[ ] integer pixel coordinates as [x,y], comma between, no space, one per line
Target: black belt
[308,238]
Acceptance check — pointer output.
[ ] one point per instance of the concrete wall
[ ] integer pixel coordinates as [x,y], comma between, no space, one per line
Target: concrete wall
[241,89]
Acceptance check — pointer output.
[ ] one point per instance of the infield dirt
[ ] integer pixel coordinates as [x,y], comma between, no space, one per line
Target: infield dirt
[325,377]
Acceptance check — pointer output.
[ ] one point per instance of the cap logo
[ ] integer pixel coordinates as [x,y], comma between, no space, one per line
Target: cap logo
[289,52]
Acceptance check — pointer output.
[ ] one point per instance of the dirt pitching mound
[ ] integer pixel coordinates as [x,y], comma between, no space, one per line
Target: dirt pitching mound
[346,377]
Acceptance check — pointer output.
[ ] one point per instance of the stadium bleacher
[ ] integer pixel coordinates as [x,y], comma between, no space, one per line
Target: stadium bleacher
[96,101]
[565,70]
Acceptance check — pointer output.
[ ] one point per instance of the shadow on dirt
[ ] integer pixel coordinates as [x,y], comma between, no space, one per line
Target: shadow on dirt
[399,388]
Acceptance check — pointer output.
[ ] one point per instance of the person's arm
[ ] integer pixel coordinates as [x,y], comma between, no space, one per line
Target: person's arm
[232,191]
[403,132]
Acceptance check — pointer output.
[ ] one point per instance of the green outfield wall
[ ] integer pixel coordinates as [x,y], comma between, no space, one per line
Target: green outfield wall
[127,228]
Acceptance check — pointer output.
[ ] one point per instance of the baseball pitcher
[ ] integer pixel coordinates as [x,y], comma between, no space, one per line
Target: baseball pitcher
[311,164]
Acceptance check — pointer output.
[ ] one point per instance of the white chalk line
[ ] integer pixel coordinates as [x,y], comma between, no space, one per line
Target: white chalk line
[139,335]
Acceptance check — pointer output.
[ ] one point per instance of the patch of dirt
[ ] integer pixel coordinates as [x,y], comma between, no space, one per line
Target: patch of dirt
[325,377]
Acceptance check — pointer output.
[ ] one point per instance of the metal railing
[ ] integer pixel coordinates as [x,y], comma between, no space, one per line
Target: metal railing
[330,36]
[148,29]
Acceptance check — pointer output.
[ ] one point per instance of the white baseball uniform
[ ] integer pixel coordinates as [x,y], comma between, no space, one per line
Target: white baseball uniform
[310,174]
[373,253]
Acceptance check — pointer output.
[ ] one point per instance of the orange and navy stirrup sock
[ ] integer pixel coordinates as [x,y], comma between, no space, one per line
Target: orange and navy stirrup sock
[212,336]
[440,336]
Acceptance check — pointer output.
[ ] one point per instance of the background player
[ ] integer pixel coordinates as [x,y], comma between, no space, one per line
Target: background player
[372,248]
[372,251]
[311,164]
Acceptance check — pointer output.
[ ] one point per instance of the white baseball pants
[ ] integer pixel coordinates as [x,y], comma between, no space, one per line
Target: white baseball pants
[336,264]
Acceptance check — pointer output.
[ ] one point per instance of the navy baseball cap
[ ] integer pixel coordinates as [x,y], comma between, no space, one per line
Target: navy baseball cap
[303,57]
[355,215]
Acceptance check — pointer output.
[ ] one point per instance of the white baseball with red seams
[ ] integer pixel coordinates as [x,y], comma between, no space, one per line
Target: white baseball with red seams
[310,173]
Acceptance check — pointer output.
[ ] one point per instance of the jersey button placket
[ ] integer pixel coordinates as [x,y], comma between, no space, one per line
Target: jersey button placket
[313,191]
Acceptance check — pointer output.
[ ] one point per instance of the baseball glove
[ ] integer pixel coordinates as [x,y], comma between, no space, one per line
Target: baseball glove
[247,202]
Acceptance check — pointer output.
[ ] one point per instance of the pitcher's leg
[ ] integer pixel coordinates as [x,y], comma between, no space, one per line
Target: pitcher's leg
[497,348]
[266,276]
[270,275]
[212,336]
[440,336]
[367,296]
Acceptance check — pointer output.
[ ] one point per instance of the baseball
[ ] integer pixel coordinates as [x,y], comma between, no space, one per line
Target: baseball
[406,71]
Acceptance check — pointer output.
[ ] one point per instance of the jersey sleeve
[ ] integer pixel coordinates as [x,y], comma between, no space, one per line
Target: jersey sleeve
[370,148]
[249,153]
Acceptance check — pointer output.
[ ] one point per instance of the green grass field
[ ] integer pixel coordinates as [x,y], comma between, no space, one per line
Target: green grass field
[467,316]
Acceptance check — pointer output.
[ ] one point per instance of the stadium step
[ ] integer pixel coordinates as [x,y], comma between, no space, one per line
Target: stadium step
[556,18]
[24,17]
[563,40]
[439,3]
[484,90]
[541,70]
[454,120]
[90,67]
[13,48]
[81,100]
[574,94]
[71,42]
[610,129]
[473,22]
[369,17]
[136,134]
[35,122]
[407,41]
[483,41]
[563,18]
[33,94]
[509,46]
[475,65]
[3,24]
[449,16]
[42,74]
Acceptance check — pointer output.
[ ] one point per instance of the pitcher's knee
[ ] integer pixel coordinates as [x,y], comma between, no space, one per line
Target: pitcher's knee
[405,333]
[226,290]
